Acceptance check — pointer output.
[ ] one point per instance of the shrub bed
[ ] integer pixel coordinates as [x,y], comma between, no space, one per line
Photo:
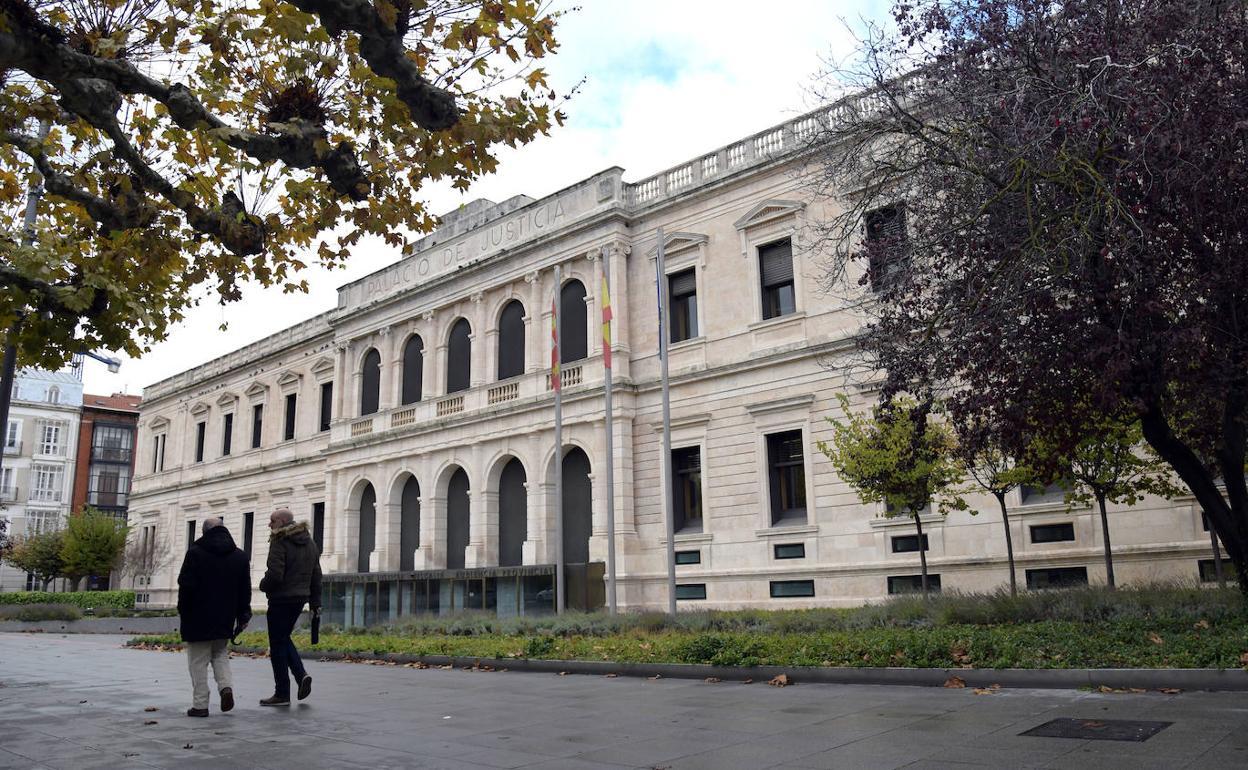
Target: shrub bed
[38,612]
[1167,627]
[81,599]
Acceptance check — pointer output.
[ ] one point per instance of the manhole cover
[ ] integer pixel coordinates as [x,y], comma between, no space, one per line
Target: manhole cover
[1098,729]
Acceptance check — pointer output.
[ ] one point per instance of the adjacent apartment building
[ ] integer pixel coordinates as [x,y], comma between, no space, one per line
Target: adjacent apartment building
[105,459]
[40,450]
[412,425]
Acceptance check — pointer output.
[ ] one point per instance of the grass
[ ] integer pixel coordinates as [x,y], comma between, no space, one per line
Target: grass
[1157,627]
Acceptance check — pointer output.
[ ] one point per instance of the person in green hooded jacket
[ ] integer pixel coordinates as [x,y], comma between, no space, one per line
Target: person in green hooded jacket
[292,578]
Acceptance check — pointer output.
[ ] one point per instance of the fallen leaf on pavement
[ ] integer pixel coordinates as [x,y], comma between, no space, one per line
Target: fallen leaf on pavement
[612,675]
[712,680]
[189,746]
[655,678]
[780,680]
[747,680]
[955,682]
[151,708]
[1170,690]
[150,722]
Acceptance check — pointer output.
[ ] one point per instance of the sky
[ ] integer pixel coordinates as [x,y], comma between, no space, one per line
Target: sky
[664,81]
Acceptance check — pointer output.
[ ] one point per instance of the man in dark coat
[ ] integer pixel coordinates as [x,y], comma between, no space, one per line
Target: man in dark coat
[292,578]
[214,598]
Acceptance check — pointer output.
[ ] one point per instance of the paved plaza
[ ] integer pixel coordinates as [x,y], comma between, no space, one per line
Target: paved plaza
[81,702]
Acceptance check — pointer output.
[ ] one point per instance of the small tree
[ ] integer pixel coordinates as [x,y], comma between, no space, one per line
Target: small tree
[142,558]
[92,544]
[898,457]
[38,554]
[1113,464]
[991,459]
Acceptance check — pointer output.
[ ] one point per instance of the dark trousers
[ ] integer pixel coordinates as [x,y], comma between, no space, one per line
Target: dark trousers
[282,653]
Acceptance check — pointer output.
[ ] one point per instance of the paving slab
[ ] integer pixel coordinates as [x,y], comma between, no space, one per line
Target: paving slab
[77,702]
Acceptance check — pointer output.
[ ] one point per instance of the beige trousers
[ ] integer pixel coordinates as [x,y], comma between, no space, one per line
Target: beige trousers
[198,656]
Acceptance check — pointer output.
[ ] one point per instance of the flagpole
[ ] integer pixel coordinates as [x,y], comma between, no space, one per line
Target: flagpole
[660,280]
[607,316]
[556,382]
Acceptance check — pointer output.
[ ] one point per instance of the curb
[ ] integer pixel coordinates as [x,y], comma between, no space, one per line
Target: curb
[1211,679]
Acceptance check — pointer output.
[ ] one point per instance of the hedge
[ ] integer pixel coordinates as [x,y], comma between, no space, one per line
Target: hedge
[82,599]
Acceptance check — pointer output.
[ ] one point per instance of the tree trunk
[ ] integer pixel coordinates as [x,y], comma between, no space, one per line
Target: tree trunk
[918,525]
[1109,556]
[1217,558]
[1228,520]
[1009,545]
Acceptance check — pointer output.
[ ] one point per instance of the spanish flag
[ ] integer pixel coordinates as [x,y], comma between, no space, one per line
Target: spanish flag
[555,378]
[606,324]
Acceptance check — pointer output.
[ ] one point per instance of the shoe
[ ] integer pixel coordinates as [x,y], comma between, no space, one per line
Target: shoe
[197,712]
[227,699]
[305,686]
[276,700]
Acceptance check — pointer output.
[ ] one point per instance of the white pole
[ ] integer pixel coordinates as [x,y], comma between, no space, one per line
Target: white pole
[660,280]
[607,338]
[556,382]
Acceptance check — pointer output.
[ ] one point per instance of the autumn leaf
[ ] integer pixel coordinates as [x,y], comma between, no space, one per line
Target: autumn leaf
[1154,638]
[955,682]
[780,680]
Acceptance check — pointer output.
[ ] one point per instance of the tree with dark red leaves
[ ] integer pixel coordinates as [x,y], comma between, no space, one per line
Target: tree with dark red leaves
[1074,181]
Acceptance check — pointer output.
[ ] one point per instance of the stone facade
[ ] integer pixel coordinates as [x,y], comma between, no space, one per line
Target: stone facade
[760,369]
[40,446]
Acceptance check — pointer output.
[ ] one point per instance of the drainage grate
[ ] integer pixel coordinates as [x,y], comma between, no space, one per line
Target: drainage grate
[1098,729]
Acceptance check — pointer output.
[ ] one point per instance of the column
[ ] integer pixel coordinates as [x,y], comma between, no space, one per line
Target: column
[533,332]
[385,556]
[424,558]
[476,316]
[341,384]
[593,303]
[433,532]
[387,396]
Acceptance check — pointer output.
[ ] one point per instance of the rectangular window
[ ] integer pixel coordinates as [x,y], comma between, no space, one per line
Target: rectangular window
[51,438]
[47,483]
[687,492]
[160,452]
[42,521]
[1057,577]
[7,490]
[1049,493]
[249,526]
[111,443]
[691,590]
[289,432]
[688,557]
[886,246]
[318,526]
[912,584]
[792,589]
[227,434]
[190,534]
[1208,569]
[108,486]
[1204,521]
[775,268]
[200,429]
[1053,533]
[790,551]
[909,544]
[682,296]
[13,436]
[787,477]
[327,404]
[257,424]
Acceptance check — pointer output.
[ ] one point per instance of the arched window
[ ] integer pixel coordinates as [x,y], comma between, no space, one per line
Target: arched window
[573,326]
[459,357]
[578,499]
[456,519]
[511,340]
[513,514]
[370,382]
[409,524]
[413,369]
[54,395]
[368,528]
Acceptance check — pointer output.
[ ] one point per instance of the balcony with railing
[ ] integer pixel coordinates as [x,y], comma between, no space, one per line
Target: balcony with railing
[38,495]
[111,454]
[483,399]
[12,448]
[9,494]
[107,499]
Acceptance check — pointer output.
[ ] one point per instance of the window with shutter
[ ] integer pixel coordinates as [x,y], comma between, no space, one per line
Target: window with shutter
[511,341]
[459,357]
[682,295]
[413,369]
[775,269]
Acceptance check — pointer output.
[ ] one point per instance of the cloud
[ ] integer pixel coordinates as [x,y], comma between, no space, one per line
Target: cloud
[664,81]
